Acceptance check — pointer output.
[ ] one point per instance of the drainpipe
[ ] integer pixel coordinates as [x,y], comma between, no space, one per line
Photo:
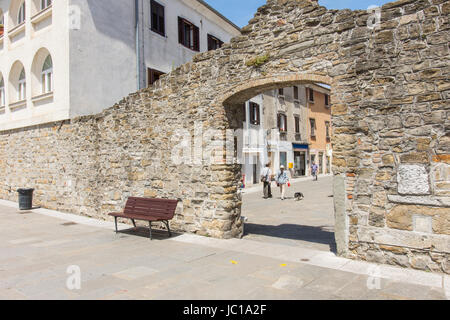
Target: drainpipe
[138,45]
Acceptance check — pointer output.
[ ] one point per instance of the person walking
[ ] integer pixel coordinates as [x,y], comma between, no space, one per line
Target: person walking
[282,181]
[266,179]
[315,170]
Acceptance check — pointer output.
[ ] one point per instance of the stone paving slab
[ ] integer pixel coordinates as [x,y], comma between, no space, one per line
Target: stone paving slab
[129,266]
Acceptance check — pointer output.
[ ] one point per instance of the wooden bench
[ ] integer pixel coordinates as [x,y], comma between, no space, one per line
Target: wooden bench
[145,209]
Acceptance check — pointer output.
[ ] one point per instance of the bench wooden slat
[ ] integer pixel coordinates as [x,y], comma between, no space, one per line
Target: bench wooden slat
[148,209]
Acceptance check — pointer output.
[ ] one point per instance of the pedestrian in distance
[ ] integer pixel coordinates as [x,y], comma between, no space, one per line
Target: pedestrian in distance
[266,179]
[282,180]
[315,170]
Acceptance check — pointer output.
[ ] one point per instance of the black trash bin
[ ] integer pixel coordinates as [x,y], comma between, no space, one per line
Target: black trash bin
[25,199]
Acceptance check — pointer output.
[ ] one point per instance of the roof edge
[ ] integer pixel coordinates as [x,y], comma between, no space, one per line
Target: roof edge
[220,15]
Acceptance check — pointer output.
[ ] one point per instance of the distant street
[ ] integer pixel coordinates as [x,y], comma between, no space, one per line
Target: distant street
[308,223]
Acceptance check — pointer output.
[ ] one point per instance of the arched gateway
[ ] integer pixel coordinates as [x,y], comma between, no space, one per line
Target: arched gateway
[388,70]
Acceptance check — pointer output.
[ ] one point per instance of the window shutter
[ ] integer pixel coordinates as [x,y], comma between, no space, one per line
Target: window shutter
[285,123]
[162,20]
[180,30]
[196,38]
[258,118]
[279,121]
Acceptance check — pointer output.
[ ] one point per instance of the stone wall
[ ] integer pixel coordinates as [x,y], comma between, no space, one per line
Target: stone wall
[391,141]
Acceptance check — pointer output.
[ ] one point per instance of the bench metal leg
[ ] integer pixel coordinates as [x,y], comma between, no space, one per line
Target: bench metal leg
[115,222]
[134,223]
[168,228]
[150,227]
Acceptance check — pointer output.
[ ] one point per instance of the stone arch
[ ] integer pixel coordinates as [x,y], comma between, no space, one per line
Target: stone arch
[249,89]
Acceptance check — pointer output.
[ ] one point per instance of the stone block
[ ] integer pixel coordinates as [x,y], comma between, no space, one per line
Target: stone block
[413,180]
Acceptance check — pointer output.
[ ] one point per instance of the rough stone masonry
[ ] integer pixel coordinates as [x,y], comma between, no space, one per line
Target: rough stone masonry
[391,138]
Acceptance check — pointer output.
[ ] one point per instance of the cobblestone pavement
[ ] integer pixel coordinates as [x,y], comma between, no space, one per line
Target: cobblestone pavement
[308,223]
[36,251]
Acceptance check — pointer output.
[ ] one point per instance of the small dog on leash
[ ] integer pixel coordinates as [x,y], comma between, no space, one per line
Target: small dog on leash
[299,196]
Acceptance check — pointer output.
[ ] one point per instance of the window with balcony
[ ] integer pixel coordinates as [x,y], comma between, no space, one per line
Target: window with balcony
[296,97]
[311,95]
[327,128]
[21,14]
[188,34]
[313,127]
[282,122]
[214,43]
[45,4]
[297,129]
[327,100]
[158,20]
[47,75]
[297,124]
[255,117]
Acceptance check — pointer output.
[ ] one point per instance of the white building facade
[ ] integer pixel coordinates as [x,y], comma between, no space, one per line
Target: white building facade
[65,58]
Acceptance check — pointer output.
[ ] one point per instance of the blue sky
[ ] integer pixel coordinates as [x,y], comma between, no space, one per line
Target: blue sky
[240,11]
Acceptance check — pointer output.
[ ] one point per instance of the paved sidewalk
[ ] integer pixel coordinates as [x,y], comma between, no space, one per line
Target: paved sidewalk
[36,249]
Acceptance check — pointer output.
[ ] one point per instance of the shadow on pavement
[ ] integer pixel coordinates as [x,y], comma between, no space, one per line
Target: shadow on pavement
[143,232]
[294,232]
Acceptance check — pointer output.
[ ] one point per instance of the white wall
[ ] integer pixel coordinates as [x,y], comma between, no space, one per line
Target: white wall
[102,55]
[165,53]
[52,35]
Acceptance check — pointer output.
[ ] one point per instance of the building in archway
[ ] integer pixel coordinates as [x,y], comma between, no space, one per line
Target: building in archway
[319,127]
[277,129]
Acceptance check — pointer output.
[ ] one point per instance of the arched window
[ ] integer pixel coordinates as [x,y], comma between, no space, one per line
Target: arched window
[2,93]
[45,4]
[21,92]
[47,75]
[21,15]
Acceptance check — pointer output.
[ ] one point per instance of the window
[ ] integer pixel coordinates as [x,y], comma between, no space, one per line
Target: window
[47,75]
[282,122]
[311,94]
[214,43]
[1,24]
[327,127]
[313,127]
[188,34]
[157,16]
[21,92]
[297,124]
[295,93]
[255,117]
[2,93]
[283,159]
[45,4]
[21,15]
[281,92]
[327,100]
[153,76]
